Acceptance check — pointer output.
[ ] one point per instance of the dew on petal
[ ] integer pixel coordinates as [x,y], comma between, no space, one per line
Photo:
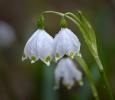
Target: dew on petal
[32,51]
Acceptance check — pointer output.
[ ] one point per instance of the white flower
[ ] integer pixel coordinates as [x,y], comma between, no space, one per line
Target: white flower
[67,70]
[40,45]
[66,42]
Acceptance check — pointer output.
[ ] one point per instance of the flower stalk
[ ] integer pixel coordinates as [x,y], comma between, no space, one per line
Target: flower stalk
[86,70]
[93,49]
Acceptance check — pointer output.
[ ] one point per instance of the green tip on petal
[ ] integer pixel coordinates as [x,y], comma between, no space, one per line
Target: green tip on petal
[71,55]
[47,61]
[47,58]
[80,82]
[68,86]
[57,55]
[79,54]
[56,86]
[33,59]
[23,57]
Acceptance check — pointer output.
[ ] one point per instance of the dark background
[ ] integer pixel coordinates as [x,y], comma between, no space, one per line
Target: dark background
[25,81]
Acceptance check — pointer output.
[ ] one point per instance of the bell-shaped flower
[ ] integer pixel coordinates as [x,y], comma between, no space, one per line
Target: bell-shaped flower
[39,46]
[66,42]
[66,69]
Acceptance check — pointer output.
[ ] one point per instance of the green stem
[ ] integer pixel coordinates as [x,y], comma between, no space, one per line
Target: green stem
[86,70]
[105,81]
[53,12]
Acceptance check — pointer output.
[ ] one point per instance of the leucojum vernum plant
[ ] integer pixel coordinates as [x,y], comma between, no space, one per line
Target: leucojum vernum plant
[43,46]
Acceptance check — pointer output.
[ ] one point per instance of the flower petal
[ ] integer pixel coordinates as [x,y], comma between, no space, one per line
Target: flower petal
[67,70]
[45,47]
[73,43]
[31,47]
[60,45]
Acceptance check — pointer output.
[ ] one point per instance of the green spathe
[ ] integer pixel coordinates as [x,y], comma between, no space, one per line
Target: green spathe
[41,22]
[63,23]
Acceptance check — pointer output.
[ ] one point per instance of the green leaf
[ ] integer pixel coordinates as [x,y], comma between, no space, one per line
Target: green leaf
[90,30]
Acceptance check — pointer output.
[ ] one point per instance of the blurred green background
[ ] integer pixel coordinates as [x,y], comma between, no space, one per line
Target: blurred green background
[25,81]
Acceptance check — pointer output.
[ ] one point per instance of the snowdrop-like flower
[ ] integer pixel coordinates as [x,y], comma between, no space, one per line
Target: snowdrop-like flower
[67,70]
[40,45]
[66,42]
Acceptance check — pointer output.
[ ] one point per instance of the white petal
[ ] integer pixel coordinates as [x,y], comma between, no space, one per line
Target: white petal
[68,76]
[68,79]
[56,59]
[60,44]
[79,54]
[31,47]
[23,59]
[74,71]
[67,70]
[77,75]
[32,61]
[59,71]
[47,63]
[73,42]
[45,46]
[33,36]
[81,83]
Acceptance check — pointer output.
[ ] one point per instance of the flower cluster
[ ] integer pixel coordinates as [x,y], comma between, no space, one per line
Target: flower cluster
[42,46]
[67,70]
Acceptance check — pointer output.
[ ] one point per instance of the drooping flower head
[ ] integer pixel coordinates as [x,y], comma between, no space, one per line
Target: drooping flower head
[66,42]
[66,69]
[39,46]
